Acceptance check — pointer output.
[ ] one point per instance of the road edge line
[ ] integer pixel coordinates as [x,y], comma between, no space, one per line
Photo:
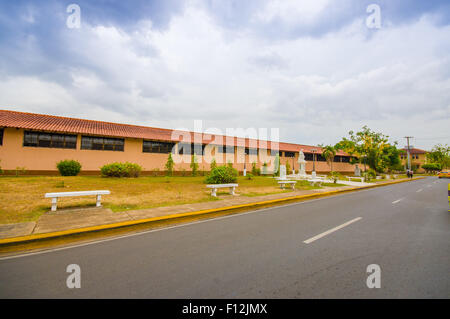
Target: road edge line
[76,231]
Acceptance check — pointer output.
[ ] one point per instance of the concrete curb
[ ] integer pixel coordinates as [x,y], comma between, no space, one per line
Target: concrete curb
[29,238]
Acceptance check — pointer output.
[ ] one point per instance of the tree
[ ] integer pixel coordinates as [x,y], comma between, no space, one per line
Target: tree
[371,145]
[169,165]
[391,157]
[440,154]
[288,167]
[277,165]
[432,167]
[194,165]
[328,152]
[213,164]
[255,171]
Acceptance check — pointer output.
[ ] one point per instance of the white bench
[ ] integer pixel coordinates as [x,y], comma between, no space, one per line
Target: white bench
[315,181]
[214,188]
[357,177]
[291,183]
[54,196]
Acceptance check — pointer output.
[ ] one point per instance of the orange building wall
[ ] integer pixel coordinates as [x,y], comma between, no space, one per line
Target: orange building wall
[13,154]
[415,162]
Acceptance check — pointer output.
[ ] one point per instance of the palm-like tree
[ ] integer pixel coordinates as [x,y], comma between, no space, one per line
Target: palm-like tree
[328,152]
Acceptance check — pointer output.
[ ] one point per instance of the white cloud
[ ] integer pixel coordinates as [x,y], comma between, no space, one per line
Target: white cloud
[292,12]
[314,89]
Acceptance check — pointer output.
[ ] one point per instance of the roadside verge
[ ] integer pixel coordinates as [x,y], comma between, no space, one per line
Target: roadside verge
[177,217]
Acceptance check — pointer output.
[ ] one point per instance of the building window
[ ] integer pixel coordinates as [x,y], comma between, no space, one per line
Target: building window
[289,154]
[102,143]
[345,159]
[265,151]
[1,136]
[309,157]
[188,149]
[251,151]
[52,140]
[226,149]
[157,147]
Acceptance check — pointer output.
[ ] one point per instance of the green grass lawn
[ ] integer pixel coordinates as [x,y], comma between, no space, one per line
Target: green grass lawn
[22,198]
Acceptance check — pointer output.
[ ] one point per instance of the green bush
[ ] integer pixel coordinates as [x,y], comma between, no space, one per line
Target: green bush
[222,175]
[288,168]
[433,167]
[169,165]
[194,165]
[255,171]
[69,167]
[20,170]
[121,170]
[155,171]
[335,176]
[213,164]
[249,176]
[372,174]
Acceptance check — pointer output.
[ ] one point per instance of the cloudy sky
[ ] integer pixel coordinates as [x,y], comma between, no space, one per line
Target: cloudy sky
[312,68]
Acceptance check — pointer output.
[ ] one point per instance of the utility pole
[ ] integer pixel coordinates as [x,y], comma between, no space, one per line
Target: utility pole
[407,151]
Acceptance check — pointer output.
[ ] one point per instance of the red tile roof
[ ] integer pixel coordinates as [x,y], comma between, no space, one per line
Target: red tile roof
[415,151]
[50,123]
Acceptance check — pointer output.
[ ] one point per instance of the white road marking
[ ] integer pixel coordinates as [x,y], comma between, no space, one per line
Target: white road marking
[46,251]
[310,240]
[419,190]
[396,201]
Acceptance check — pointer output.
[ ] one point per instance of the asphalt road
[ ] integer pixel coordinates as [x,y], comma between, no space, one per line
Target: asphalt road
[282,252]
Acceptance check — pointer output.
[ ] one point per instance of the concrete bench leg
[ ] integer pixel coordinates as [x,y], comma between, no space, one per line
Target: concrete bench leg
[214,192]
[54,201]
[232,190]
[99,198]
[293,186]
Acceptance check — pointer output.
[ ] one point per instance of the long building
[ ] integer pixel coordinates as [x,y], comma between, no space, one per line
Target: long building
[36,142]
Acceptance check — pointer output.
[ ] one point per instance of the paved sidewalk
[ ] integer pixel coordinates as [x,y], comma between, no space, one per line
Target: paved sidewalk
[70,219]
[65,219]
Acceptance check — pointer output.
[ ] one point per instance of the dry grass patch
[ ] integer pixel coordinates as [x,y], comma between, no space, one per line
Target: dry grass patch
[22,198]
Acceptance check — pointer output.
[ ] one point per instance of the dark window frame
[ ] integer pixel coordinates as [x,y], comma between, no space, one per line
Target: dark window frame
[159,147]
[97,143]
[226,149]
[289,154]
[49,140]
[191,148]
[2,132]
[251,151]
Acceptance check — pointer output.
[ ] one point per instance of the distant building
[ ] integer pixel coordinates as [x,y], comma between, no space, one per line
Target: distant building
[37,142]
[418,158]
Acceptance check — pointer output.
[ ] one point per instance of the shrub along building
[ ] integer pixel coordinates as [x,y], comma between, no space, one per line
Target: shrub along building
[36,142]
